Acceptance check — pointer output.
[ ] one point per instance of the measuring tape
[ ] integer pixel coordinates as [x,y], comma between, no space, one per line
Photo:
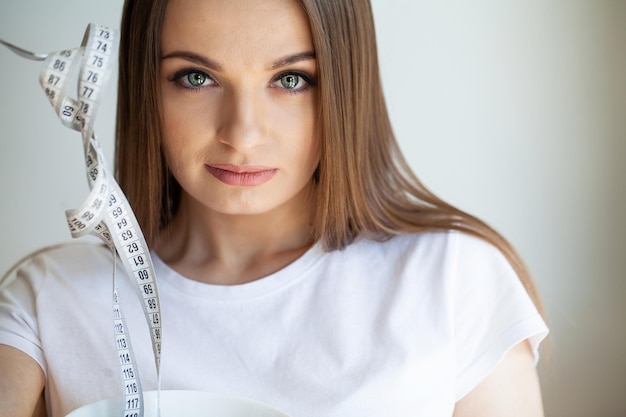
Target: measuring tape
[106,212]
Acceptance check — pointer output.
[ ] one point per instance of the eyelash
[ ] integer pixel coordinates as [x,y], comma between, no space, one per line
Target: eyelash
[179,79]
[307,78]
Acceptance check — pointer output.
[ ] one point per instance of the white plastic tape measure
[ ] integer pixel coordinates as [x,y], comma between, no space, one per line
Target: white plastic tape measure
[106,212]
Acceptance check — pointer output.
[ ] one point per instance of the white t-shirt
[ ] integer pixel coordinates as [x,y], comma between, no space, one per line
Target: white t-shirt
[399,328]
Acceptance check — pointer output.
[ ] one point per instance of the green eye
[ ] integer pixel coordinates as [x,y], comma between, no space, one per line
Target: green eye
[196,79]
[290,81]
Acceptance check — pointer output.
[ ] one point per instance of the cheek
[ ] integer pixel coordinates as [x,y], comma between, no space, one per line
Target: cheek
[181,128]
[172,123]
[181,113]
[314,142]
[301,130]
[311,150]
[177,146]
[171,137]
[176,117]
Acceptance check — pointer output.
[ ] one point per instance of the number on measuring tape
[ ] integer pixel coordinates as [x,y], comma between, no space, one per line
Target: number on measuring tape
[106,212]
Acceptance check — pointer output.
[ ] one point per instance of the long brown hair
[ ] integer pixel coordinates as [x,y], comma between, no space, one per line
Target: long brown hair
[364,184]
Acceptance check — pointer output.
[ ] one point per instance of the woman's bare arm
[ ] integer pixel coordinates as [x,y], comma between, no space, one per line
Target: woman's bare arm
[511,390]
[21,384]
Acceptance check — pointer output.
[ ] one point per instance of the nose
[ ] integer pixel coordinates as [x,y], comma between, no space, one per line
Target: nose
[241,122]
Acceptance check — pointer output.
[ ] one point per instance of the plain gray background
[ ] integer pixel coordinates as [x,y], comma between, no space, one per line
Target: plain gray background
[512,110]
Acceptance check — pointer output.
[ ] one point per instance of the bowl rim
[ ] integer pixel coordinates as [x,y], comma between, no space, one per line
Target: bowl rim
[151,395]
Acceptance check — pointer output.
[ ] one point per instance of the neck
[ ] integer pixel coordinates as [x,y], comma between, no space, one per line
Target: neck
[229,249]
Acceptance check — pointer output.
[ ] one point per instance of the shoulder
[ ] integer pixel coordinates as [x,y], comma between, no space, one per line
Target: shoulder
[445,261]
[70,258]
[439,247]
[459,259]
[70,253]
[454,263]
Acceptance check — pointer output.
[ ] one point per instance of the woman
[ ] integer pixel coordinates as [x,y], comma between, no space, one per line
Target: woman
[299,260]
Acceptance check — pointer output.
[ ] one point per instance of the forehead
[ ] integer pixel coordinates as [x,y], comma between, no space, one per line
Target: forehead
[225,28]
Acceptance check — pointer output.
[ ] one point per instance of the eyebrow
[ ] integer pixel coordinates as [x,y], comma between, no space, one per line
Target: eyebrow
[209,63]
[192,57]
[291,59]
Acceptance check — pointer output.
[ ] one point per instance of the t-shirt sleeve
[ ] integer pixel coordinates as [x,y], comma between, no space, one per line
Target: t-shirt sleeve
[492,312]
[18,309]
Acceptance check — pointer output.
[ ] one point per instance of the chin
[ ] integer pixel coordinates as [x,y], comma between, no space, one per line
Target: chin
[247,208]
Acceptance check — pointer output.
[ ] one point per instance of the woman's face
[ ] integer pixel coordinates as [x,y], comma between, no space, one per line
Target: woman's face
[238,83]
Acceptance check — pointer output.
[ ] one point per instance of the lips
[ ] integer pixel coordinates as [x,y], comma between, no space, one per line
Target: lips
[241,175]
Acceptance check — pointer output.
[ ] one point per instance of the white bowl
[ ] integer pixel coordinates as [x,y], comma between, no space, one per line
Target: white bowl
[183,403]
